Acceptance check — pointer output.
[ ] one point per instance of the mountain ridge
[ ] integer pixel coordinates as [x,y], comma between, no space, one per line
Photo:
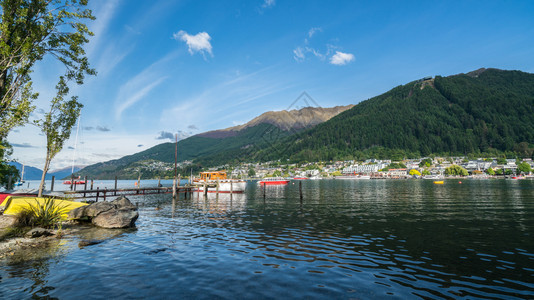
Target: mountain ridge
[296,119]
[483,111]
[487,111]
[216,145]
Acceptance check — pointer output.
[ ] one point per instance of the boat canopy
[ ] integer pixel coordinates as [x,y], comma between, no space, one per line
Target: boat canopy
[217,175]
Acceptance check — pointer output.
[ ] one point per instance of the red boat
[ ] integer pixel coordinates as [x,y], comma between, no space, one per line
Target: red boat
[75,181]
[300,178]
[273,181]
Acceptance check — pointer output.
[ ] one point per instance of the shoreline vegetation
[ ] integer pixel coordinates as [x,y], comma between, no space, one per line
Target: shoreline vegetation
[35,222]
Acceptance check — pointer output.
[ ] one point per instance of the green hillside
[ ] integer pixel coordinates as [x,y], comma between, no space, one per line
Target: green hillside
[203,151]
[486,111]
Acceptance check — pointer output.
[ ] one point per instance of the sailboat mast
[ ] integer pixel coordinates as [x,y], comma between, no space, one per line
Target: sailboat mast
[75,143]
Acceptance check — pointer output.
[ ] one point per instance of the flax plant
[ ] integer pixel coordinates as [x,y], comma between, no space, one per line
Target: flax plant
[46,214]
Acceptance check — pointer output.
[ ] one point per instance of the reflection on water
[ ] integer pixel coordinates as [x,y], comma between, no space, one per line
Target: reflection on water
[348,239]
[214,203]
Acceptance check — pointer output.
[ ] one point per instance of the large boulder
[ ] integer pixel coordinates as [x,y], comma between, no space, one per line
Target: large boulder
[91,211]
[116,218]
[119,213]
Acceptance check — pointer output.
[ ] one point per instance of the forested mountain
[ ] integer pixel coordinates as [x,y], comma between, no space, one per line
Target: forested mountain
[224,145]
[488,111]
[485,111]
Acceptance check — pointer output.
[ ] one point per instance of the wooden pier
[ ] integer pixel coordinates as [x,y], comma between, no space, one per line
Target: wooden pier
[103,194]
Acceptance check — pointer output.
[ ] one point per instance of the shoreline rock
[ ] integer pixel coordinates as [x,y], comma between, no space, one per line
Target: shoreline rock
[119,213]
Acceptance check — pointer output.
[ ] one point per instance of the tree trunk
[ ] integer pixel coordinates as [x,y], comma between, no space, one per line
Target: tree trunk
[45,170]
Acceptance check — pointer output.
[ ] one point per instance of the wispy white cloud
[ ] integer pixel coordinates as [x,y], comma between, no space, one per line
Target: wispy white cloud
[314,30]
[139,86]
[268,3]
[111,57]
[130,98]
[341,58]
[211,105]
[104,13]
[299,54]
[199,42]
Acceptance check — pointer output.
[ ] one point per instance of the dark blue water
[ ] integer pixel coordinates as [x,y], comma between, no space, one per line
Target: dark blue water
[347,239]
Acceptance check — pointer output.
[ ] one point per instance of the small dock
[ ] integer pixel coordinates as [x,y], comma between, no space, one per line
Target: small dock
[102,194]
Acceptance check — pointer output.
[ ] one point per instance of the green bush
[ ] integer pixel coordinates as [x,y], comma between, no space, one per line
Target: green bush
[46,214]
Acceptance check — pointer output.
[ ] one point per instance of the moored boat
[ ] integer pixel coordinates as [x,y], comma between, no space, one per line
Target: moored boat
[439,182]
[353,177]
[21,181]
[75,181]
[273,181]
[225,185]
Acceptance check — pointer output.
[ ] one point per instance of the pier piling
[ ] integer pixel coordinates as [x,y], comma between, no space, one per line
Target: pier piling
[84,185]
[300,191]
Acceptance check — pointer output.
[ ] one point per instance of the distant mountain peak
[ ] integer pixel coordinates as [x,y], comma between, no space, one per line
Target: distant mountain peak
[295,119]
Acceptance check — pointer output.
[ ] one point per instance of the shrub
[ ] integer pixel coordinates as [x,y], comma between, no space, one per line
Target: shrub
[45,214]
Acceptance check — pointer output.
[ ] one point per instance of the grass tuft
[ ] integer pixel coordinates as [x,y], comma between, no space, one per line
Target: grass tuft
[46,214]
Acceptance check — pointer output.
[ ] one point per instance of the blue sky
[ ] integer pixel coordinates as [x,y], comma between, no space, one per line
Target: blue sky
[186,67]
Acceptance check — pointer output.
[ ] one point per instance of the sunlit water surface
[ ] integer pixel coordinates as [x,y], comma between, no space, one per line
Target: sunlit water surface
[347,239]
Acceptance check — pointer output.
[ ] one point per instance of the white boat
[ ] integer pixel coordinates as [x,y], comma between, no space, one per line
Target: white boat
[353,177]
[219,178]
[21,181]
[273,181]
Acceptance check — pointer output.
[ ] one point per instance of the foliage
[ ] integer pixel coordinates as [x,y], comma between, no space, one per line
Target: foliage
[523,150]
[426,172]
[456,170]
[31,30]
[414,172]
[46,214]
[251,172]
[499,172]
[490,113]
[57,124]
[7,171]
[394,165]
[336,173]
[426,163]
[490,172]
[524,168]
[501,161]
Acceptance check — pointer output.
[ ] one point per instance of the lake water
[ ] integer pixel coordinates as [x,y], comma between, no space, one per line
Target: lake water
[365,239]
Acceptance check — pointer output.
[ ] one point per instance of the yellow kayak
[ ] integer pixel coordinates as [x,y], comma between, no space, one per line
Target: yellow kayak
[15,205]
[439,182]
